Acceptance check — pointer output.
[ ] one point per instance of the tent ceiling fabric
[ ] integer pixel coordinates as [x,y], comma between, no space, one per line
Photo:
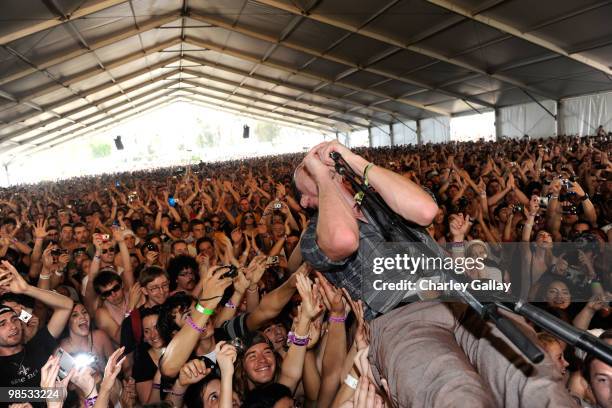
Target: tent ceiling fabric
[70,67]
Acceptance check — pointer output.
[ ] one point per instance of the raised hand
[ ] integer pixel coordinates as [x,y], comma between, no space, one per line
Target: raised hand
[112,369]
[332,296]
[40,229]
[192,372]
[311,301]
[48,379]
[11,278]
[226,356]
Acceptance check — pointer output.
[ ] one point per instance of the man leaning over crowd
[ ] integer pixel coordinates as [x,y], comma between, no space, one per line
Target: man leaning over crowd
[425,354]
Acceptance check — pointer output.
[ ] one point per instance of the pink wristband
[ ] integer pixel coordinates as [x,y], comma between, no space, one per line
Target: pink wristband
[195,326]
[341,319]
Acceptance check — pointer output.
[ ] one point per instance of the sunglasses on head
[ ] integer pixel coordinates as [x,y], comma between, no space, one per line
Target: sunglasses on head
[109,292]
[111,250]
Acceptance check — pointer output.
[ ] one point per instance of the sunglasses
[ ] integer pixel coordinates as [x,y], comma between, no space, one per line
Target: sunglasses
[109,292]
[248,216]
[111,250]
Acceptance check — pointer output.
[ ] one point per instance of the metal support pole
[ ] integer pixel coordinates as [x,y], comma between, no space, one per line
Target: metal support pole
[498,125]
[369,136]
[560,120]
[391,135]
[418,132]
[8,180]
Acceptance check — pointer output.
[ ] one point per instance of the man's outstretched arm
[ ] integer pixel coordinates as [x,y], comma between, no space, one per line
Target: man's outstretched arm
[404,197]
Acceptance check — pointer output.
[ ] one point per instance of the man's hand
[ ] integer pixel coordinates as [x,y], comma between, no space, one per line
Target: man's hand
[311,301]
[40,229]
[256,269]
[534,205]
[48,379]
[314,164]
[136,297]
[333,146]
[213,286]
[332,297]
[226,356]
[11,278]
[459,226]
[192,372]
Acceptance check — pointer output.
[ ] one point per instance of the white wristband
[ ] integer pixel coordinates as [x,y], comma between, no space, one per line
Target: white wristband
[44,277]
[351,381]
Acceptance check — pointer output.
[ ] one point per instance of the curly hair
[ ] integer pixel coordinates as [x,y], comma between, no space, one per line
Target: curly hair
[166,325]
[178,264]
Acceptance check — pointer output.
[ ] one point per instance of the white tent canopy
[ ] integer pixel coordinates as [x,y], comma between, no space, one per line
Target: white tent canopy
[68,67]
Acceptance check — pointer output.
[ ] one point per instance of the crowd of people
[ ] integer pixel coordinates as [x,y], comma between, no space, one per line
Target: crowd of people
[235,284]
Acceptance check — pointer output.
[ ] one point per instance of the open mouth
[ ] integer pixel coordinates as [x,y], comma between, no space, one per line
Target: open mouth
[263,368]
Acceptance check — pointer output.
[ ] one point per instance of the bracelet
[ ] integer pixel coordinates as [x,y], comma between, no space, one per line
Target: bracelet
[298,340]
[204,310]
[127,314]
[90,402]
[58,273]
[156,386]
[252,290]
[365,173]
[230,304]
[44,277]
[337,319]
[351,381]
[195,326]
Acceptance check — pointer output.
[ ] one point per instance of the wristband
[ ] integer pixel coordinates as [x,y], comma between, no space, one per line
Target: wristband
[337,319]
[44,277]
[128,313]
[365,173]
[156,386]
[230,304]
[351,381]
[204,310]
[58,273]
[298,340]
[252,290]
[195,326]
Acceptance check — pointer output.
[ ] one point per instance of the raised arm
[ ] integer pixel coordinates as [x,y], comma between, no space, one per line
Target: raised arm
[337,229]
[404,197]
[61,305]
[183,343]
[293,364]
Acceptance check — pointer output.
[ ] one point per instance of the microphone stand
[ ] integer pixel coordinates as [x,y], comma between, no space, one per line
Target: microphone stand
[374,208]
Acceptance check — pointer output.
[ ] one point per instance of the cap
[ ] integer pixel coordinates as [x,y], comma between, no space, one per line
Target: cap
[174,226]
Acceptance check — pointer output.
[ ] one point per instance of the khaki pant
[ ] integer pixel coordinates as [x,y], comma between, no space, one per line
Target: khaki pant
[443,355]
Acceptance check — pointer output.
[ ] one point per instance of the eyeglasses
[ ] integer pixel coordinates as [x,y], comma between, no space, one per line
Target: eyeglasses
[111,250]
[163,286]
[248,216]
[109,292]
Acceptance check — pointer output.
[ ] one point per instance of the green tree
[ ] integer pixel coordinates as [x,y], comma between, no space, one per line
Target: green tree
[100,150]
[267,131]
[206,136]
